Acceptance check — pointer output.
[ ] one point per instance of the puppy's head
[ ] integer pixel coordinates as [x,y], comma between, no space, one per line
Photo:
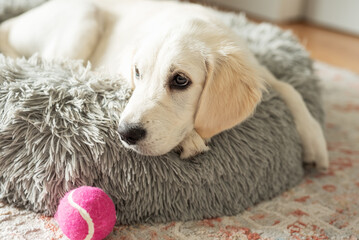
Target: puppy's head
[198,76]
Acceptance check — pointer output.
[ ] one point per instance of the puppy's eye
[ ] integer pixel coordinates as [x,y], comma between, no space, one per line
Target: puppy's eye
[137,72]
[180,81]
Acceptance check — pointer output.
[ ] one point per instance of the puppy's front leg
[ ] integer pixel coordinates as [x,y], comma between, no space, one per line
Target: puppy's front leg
[310,131]
[192,145]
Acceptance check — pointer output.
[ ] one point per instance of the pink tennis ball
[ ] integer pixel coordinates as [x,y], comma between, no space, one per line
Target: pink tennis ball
[86,213]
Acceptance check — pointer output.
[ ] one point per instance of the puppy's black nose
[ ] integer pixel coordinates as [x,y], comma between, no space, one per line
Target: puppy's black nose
[131,134]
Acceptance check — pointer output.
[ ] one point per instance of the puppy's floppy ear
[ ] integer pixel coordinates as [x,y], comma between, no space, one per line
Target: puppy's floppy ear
[232,90]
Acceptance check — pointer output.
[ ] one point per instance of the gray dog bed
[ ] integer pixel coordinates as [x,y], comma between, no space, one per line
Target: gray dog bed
[58,123]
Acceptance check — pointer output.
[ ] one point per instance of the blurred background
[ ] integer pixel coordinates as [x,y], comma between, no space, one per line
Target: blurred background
[329,29]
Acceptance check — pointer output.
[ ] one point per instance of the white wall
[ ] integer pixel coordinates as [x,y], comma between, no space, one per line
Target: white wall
[273,10]
[339,14]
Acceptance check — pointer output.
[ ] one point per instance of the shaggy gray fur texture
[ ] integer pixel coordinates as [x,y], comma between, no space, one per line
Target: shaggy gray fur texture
[58,123]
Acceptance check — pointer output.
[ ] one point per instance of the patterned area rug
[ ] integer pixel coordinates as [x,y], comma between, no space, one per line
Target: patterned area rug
[323,206]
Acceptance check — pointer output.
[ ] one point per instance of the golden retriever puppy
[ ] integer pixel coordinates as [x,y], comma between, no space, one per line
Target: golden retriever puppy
[192,76]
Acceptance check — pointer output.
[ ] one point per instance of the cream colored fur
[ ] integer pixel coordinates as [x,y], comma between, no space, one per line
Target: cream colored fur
[161,39]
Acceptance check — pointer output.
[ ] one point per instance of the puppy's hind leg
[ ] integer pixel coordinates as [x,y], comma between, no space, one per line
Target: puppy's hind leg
[4,45]
[56,29]
[310,131]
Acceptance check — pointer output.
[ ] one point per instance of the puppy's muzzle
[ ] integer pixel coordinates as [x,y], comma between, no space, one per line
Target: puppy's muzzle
[131,133]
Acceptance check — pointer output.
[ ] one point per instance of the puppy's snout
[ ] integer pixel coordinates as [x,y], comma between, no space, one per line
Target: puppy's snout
[131,133]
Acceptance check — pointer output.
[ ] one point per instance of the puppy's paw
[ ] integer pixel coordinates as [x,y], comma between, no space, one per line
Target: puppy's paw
[314,144]
[192,145]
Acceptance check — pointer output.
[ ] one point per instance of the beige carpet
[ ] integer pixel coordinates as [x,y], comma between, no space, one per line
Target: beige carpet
[323,206]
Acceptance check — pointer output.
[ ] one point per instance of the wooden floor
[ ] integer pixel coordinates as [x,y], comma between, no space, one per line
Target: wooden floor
[328,46]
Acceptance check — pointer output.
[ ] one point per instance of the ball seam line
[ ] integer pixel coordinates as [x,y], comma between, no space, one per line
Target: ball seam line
[84,214]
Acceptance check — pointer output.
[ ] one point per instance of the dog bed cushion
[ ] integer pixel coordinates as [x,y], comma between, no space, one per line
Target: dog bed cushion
[58,131]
